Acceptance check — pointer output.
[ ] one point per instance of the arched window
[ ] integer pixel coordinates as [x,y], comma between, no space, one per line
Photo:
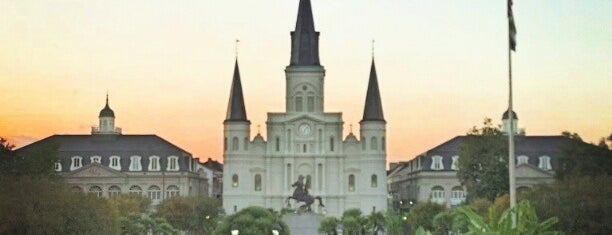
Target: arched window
[77,162]
[135,163]
[96,190]
[299,104]
[363,143]
[351,183]
[246,143]
[374,181]
[154,193]
[522,159]
[172,191]
[114,191]
[437,194]
[235,181]
[331,143]
[154,163]
[304,148]
[457,195]
[384,143]
[310,103]
[135,189]
[257,182]
[277,143]
[373,143]
[235,143]
[545,163]
[115,163]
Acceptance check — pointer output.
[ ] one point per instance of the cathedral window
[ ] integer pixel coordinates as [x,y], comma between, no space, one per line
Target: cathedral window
[331,143]
[299,104]
[154,163]
[277,143]
[351,183]
[136,190]
[172,191]
[304,149]
[58,166]
[235,181]
[246,143]
[522,159]
[436,163]
[95,190]
[115,163]
[455,163]
[235,143]
[545,163]
[95,159]
[374,181]
[135,164]
[384,143]
[437,194]
[363,143]
[173,163]
[374,143]
[154,193]
[77,162]
[257,182]
[310,103]
[114,191]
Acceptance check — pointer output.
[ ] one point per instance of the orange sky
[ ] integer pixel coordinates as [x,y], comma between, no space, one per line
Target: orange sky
[442,66]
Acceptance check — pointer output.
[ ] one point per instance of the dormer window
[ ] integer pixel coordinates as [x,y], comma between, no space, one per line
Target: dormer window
[58,166]
[436,163]
[522,159]
[115,163]
[135,163]
[154,163]
[95,159]
[545,163]
[77,162]
[173,163]
[455,164]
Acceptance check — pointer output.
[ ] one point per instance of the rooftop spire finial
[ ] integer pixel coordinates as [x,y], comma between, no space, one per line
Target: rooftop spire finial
[236,47]
[258,129]
[106,97]
[373,41]
[351,128]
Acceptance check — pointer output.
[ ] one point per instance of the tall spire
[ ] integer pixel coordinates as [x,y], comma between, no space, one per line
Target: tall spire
[373,110]
[236,110]
[304,40]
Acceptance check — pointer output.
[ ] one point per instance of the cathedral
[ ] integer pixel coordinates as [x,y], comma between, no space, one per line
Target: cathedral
[305,142]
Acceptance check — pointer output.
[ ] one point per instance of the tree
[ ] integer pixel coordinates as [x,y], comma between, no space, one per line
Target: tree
[397,224]
[483,165]
[375,222]
[128,204]
[199,214]
[582,204]
[579,158]
[422,214]
[353,222]
[253,220]
[329,225]
[35,163]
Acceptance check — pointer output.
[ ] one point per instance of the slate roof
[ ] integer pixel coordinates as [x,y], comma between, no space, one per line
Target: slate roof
[304,40]
[106,146]
[373,110]
[236,110]
[213,165]
[531,146]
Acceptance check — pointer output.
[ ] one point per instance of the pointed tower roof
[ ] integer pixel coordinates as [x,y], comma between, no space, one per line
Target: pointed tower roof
[236,110]
[373,110]
[107,111]
[304,40]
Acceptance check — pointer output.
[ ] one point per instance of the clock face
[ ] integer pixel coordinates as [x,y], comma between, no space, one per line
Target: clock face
[305,129]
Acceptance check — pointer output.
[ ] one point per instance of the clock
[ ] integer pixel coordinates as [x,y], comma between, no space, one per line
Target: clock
[305,129]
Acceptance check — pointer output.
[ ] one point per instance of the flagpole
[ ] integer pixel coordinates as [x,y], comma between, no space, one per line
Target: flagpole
[511,161]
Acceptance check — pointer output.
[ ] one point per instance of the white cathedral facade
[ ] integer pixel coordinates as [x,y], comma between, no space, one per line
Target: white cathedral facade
[346,172]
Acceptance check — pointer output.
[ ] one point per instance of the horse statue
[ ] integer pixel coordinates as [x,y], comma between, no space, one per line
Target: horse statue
[300,194]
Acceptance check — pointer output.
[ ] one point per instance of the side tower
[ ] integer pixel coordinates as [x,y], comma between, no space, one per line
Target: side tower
[236,127]
[304,75]
[374,146]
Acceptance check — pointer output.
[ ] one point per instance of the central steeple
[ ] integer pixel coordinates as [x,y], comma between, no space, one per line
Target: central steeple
[304,40]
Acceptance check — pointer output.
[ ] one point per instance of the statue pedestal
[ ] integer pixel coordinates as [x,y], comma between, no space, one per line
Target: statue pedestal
[304,224]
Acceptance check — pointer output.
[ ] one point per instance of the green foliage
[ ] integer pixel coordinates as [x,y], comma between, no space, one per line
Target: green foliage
[483,165]
[143,223]
[450,222]
[527,222]
[191,213]
[579,158]
[328,225]
[421,231]
[35,163]
[375,222]
[127,204]
[353,221]
[397,224]
[33,205]
[582,204]
[252,220]
[422,214]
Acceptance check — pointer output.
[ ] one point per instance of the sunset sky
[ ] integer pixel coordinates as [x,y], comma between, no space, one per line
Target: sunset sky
[442,66]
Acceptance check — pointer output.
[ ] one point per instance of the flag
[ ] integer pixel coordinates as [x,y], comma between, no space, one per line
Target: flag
[511,27]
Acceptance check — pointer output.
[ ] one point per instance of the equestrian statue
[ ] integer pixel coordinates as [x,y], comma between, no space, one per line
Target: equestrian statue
[300,194]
